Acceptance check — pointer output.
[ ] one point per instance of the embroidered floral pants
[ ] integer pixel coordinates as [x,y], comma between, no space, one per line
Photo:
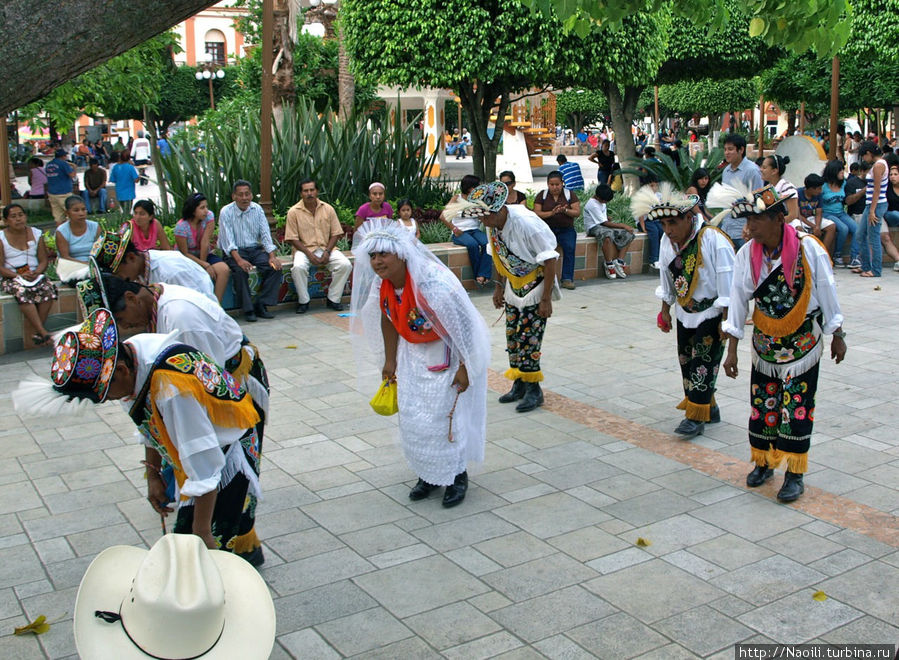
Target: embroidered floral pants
[699,352]
[524,338]
[781,420]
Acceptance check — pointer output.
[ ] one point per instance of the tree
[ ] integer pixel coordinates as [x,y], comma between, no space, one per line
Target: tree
[796,25]
[483,53]
[581,108]
[46,44]
[710,98]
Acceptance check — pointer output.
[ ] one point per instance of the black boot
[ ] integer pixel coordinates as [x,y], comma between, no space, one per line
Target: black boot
[255,557]
[533,397]
[421,490]
[454,494]
[792,487]
[689,428]
[759,475]
[515,393]
[714,415]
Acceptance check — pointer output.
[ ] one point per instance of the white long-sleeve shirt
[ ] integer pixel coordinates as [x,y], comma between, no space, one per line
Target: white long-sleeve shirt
[172,267]
[823,296]
[715,277]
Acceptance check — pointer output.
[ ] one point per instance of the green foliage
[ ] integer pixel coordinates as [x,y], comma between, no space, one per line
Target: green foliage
[619,210]
[343,157]
[666,170]
[709,97]
[434,232]
[581,108]
[798,25]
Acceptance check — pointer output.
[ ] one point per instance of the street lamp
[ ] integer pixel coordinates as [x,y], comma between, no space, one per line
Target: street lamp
[209,70]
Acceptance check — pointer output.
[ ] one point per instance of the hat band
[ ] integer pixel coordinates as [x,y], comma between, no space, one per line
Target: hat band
[112,617]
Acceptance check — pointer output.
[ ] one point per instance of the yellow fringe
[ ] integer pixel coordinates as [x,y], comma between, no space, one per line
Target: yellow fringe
[795,317]
[759,456]
[514,373]
[246,363]
[229,414]
[516,281]
[698,412]
[246,542]
[694,281]
[796,463]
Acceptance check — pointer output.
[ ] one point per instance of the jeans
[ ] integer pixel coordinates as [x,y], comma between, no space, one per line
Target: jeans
[891,218]
[101,198]
[846,227]
[654,236]
[602,177]
[738,243]
[567,240]
[871,253]
[240,279]
[475,241]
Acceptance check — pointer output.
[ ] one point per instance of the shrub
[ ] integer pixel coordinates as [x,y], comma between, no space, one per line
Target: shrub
[666,170]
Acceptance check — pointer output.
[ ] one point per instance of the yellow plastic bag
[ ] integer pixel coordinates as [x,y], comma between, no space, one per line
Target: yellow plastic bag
[617,183]
[384,400]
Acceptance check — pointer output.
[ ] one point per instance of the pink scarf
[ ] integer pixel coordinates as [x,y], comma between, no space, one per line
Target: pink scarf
[789,254]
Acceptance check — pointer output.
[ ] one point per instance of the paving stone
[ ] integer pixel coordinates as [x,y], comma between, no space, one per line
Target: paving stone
[314,606]
[871,588]
[378,540]
[653,590]
[90,543]
[799,618]
[560,647]
[672,534]
[669,652]
[835,481]
[694,565]
[401,555]
[308,458]
[528,493]
[411,648]
[752,517]
[489,602]
[846,456]
[354,512]
[617,636]
[625,486]
[307,644]
[452,625]
[577,474]
[590,496]
[862,543]
[514,549]
[464,531]
[442,581]
[876,496]
[800,543]
[730,551]
[284,521]
[651,507]
[315,571]
[472,561]
[718,494]
[588,543]
[54,550]
[618,560]
[731,606]
[363,631]
[551,515]
[18,565]
[486,647]
[504,481]
[538,577]
[18,497]
[307,543]
[687,482]
[873,631]
[553,613]
[98,516]
[642,463]
[840,562]
[767,580]
[703,630]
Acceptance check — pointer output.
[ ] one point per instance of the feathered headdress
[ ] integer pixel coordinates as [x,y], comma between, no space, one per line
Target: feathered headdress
[667,202]
[487,198]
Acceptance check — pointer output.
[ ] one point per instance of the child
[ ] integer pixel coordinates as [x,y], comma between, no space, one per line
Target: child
[613,237]
[810,212]
[404,213]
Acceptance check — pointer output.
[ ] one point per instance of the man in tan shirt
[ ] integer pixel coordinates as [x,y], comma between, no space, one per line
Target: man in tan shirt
[313,230]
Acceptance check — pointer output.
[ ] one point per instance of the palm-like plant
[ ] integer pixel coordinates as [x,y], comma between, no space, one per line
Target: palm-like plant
[665,169]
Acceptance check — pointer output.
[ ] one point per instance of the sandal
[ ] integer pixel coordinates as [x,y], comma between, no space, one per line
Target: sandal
[867,273]
[39,340]
[857,270]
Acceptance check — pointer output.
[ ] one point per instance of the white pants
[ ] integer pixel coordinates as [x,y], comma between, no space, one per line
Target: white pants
[339,266]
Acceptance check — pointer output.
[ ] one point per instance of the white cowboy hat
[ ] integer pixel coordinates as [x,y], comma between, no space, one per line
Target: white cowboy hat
[176,600]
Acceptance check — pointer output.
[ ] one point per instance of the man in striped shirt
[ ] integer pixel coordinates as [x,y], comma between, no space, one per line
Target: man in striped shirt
[246,242]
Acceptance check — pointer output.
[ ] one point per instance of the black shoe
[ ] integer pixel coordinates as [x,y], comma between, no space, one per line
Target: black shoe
[533,397]
[336,306]
[256,557]
[454,494]
[302,308]
[714,415]
[421,490]
[792,487]
[759,475]
[689,428]
[250,317]
[515,393]
[262,312]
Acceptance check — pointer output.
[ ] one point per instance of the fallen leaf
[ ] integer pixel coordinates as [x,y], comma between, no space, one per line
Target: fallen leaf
[583,307]
[642,543]
[819,596]
[291,346]
[877,288]
[37,627]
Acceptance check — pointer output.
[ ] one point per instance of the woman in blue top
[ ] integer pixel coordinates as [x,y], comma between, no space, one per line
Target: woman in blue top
[833,201]
[76,236]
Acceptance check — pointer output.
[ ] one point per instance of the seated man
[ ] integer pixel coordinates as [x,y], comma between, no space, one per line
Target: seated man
[313,230]
[95,187]
[810,218]
[613,237]
[246,242]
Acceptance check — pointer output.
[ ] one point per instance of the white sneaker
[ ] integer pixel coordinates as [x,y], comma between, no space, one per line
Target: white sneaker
[896,266]
[654,265]
[619,269]
[610,270]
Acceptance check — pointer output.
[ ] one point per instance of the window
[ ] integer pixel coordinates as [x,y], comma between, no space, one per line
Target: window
[215,46]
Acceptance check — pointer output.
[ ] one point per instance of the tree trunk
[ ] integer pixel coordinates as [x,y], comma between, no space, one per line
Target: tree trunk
[283,88]
[50,43]
[622,109]
[346,84]
[479,104]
